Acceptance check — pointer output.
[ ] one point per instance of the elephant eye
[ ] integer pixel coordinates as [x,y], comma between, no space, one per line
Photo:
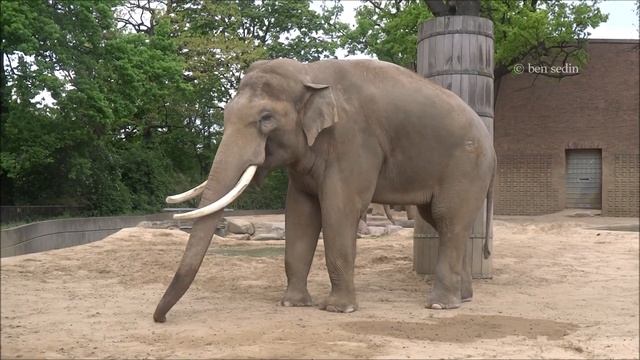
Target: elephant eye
[266,121]
[266,117]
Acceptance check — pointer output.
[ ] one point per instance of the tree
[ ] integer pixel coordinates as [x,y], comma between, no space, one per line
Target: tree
[388,30]
[218,40]
[44,49]
[107,92]
[113,104]
[538,32]
[452,7]
[637,11]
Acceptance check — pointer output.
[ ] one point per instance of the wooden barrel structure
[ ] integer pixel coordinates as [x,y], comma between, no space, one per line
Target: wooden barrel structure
[457,53]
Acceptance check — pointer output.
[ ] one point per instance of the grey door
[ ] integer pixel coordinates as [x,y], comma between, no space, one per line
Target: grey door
[584,179]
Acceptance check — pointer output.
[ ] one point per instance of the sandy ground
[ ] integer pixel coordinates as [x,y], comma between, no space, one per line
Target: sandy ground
[561,289]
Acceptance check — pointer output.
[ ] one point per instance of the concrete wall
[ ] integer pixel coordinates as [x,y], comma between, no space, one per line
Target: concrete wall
[57,234]
[61,233]
[537,121]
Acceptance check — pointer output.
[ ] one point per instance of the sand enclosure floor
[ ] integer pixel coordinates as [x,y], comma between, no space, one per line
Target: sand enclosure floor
[561,289]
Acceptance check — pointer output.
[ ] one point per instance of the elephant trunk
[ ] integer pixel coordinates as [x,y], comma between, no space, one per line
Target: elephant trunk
[228,169]
[199,241]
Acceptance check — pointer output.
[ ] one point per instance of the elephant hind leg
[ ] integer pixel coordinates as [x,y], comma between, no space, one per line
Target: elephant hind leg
[411,212]
[453,283]
[425,213]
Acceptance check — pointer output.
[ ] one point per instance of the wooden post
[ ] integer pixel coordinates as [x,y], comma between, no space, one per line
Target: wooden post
[457,53]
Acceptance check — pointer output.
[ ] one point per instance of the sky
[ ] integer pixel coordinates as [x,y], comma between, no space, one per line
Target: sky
[622,23]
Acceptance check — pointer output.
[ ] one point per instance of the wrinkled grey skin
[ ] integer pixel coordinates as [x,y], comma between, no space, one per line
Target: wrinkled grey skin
[350,133]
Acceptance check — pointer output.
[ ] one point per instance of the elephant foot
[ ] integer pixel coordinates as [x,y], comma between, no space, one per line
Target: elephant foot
[339,304]
[296,298]
[442,306]
[467,294]
[439,301]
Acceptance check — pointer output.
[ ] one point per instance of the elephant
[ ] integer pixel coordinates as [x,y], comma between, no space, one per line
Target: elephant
[386,209]
[349,132]
[411,212]
[409,209]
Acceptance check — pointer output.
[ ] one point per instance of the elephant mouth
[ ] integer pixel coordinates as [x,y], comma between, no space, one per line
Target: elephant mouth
[228,198]
[261,175]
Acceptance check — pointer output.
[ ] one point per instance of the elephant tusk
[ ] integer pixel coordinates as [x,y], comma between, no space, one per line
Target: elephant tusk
[187,195]
[242,184]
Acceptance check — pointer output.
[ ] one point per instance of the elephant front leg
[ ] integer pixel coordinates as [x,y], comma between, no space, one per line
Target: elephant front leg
[303,223]
[339,229]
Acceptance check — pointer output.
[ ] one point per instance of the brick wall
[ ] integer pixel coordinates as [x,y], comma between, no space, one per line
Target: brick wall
[525,185]
[623,195]
[538,119]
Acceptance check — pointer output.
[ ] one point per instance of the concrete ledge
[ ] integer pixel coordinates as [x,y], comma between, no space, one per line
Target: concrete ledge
[61,233]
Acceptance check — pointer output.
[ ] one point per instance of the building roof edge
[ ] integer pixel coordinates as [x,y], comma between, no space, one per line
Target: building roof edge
[614,41]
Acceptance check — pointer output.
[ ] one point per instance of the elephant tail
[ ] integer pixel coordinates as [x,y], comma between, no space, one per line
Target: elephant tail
[488,230]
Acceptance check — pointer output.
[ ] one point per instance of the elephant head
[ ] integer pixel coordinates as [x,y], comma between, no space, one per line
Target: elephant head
[272,121]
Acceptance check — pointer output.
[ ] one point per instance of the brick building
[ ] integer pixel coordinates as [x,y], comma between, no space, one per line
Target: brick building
[571,143]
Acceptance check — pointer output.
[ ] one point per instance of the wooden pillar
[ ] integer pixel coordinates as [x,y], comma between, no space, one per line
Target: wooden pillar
[457,53]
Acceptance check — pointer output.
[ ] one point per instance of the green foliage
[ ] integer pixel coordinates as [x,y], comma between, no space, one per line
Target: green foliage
[270,195]
[537,32]
[551,32]
[135,109]
[95,146]
[220,39]
[388,30]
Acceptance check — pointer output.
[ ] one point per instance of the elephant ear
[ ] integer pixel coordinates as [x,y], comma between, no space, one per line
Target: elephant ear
[320,111]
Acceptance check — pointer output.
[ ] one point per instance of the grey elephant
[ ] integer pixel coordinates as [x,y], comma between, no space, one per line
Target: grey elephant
[350,132]
[378,209]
